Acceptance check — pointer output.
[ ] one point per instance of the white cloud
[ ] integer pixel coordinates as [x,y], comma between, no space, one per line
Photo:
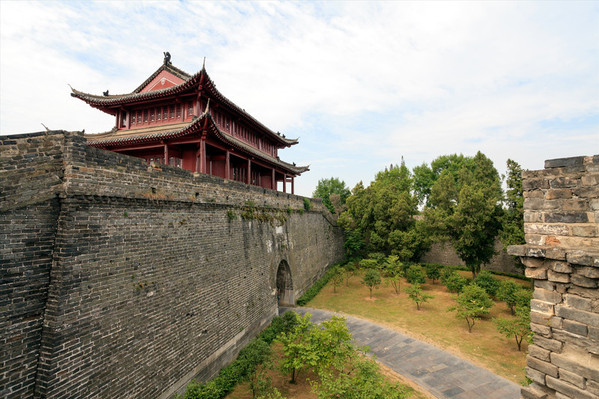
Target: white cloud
[361,83]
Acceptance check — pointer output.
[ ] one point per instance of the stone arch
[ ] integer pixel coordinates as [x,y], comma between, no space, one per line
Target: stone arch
[284,285]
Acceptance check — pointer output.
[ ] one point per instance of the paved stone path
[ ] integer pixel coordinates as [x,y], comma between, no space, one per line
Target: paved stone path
[440,373]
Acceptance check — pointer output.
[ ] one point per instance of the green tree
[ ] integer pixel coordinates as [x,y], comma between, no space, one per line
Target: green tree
[416,294]
[512,294]
[512,227]
[473,303]
[338,278]
[298,353]
[326,187]
[372,279]
[464,206]
[415,275]
[349,271]
[487,281]
[518,327]
[433,271]
[454,282]
[393,272]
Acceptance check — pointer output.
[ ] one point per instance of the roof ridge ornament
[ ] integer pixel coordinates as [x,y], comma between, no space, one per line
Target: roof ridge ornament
[167,58]
[204,64]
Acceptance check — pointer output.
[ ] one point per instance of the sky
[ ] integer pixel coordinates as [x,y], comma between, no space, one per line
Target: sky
[363,85]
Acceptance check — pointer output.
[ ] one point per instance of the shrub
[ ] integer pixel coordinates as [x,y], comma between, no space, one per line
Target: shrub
[372,279]
[415,275]
[369,264]
[473,303]
[486,281]
[433,271]
[455,283]
[307,204]
[417,295]
[518,327]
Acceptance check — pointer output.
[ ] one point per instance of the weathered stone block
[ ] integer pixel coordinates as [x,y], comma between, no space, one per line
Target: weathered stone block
[581,316]
[560,267]
[544,367]
[558,277]
[576,301]
[572,378]
[535,375]
[548,343]
[584,231]
[547,295]
[594,204]
[535,184]
[582,257]
[544,284]
[582,281]
[563,162]
[533,217]
[590,272]
[546,229]
[534,194]
[586,192]
[575,327]
[516,250]
[540,318]
[575,205]
[541,329]
[538,352]
[541,307]
[566,217]
[535,273]
[555,322]
[534,262]
[590,180]
[593,387]
[558,193]
[534,391]
[568,389]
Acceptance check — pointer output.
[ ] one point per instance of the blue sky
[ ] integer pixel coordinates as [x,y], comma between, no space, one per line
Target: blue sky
[362,84]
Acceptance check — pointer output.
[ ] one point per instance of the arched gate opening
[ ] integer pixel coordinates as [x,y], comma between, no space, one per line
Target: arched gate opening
[284,285]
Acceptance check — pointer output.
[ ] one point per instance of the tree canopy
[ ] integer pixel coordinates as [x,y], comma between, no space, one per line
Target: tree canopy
[332,192]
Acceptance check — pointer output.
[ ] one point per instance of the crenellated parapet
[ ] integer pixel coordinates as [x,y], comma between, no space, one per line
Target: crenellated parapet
[561,224]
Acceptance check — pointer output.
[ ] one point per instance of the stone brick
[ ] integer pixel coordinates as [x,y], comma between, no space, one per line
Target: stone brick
[534,194]
[547,343]
[558,193]
[535,375]
[594,204]
[541,329]
[560,267]
[534,263]
[590,272]
[562,162]
[547,295]
[590,180]
[534,391]
[541,307]
[584,366]
[593,387]
[544,284]
[591,319]
[584,231]
[567,217]
[538,352]
[575,327]
[572,378]
[578,302]
[555,322]
[583,281]
[575,205]
[533,217]
[568,389]
[544,367]
[586,192]
[546,229]
[540,318]
[581,257]
[535,184]
[564,181]
[535,273]
[558,277]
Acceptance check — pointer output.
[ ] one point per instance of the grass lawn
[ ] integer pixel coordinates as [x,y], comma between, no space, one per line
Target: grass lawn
[433,323]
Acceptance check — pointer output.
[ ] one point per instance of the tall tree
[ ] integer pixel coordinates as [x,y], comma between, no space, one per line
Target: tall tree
[464,206]
[327,187]
[512,230]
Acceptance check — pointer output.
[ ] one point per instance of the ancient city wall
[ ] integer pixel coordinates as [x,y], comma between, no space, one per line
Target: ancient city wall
[123,280]
[444,254]
[562,256]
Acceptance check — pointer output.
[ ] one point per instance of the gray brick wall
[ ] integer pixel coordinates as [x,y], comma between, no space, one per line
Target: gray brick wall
[143,277]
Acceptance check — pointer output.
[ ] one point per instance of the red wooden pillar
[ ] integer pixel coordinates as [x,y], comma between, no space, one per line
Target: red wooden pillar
[284,183]
[249,174]
[273,182]
[203,155]
[166,154]
[228,166]
[129,116]
[292,184]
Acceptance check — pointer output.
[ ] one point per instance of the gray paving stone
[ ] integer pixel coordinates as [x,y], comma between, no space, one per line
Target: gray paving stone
[441,373]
